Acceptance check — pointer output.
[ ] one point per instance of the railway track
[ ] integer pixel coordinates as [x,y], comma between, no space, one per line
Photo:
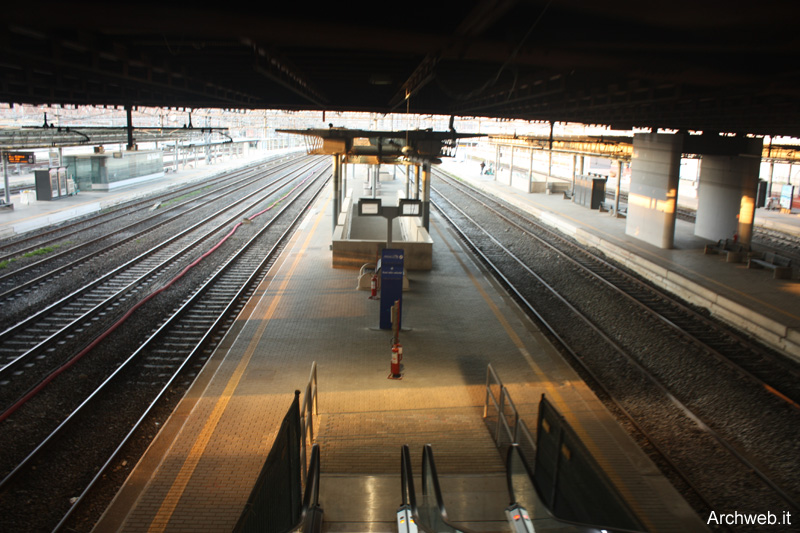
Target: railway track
[14,248]
[64,255]
[132,378]
[720,410]
[41,340]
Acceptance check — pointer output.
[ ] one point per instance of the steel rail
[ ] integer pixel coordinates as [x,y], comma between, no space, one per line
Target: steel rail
[198,295]
[76,262]
[565,345]
[619,349]
[127,209]
[254,278]
[121,211]
[650,290]
[271,188]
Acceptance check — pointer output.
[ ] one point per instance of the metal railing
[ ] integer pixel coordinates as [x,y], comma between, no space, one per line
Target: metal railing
[308,410]
[508,421]
[312,514]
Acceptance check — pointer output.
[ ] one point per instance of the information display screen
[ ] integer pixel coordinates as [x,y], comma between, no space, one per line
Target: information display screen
[19,157]
[369,207]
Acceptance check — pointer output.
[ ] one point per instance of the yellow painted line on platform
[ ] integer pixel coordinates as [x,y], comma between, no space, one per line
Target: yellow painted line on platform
[551,390]
[168,506]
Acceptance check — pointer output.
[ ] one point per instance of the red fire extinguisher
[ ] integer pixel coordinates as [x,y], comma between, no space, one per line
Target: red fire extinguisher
[397,356]
[373,284]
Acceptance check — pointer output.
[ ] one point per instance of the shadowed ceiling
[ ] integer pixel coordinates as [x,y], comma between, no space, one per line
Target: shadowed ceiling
[701,65]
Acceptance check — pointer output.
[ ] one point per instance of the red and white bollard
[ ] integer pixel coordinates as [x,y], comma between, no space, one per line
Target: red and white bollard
[373,285]
[397,356]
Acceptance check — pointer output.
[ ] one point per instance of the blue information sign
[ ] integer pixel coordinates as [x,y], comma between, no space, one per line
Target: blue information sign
[391,284]
[787,194]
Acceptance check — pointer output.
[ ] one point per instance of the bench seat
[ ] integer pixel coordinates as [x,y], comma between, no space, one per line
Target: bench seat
[780,266]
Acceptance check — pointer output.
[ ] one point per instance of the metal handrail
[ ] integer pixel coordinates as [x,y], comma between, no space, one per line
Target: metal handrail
[505,399]
[409,496]
[490,375]
[312,512]
[429,464]
[408,513]
[524,432]
[499,405]
[514,448]
[309,408]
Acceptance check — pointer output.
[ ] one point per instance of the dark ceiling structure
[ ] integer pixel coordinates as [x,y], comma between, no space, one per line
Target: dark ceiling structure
[731,66]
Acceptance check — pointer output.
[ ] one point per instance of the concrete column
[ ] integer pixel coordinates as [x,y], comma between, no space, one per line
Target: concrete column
[549,168]
[497,162]
[530,172]
[129,115]
[616,191]
[579,161]
[426,201]
[407,168]
[416,181]
[511,169]
[5,177]
[652,199]
[336,189]
[726,197]
[574,171]
[344,179]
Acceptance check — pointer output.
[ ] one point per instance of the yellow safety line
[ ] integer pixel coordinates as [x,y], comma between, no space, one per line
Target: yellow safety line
[162,518]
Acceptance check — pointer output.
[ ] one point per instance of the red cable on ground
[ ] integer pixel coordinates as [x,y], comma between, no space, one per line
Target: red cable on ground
[46,381]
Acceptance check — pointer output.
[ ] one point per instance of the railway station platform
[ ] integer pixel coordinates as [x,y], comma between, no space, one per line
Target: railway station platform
[750,299]
[200,469]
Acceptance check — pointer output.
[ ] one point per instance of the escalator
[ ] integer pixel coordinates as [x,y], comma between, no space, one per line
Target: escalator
[427,514]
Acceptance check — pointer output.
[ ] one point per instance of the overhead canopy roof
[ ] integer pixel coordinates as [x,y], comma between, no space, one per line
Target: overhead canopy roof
[375,147]
[686,64]
[47,137]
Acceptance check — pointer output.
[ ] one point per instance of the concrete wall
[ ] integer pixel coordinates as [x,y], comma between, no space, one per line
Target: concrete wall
[353,253]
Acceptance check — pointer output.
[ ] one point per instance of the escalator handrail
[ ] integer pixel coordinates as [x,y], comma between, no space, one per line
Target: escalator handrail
[514,448]
[311,512]
[429,463]
[407,479]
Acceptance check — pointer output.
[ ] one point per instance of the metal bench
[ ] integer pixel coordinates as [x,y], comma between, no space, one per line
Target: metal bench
[734,252]
[608,207]
[781,266]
